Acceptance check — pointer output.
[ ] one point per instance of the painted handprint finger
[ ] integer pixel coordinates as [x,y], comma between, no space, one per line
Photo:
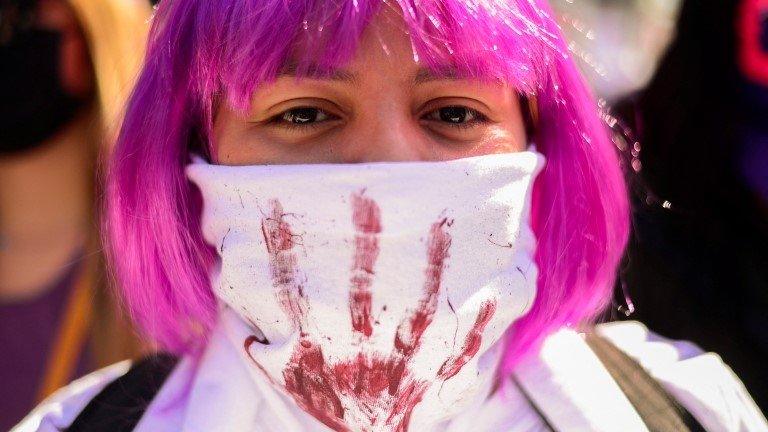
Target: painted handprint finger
[409,331]
[283,264]
[472,342]
[412,327]
[366,218]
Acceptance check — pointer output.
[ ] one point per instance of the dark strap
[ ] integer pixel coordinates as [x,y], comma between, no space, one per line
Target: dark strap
[121,404]
[658,410]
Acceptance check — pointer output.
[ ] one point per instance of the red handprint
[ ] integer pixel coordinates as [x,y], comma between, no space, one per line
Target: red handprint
[380,387]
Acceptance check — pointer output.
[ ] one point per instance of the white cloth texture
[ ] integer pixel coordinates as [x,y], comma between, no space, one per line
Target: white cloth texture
[217,393]
[375,295]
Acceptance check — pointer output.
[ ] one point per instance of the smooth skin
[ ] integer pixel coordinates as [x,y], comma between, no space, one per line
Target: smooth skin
[383,106]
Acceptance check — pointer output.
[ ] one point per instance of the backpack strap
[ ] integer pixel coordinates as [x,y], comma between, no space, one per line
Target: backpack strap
[120,405]
[658,410]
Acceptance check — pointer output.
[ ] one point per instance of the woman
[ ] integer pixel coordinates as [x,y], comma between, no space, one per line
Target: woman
[66,71]
[328,210]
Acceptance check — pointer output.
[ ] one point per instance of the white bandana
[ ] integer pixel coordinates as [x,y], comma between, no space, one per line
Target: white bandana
[375,293]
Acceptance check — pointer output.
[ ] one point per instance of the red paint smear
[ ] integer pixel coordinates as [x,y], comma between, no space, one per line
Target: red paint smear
[409,396]
[362,384]
[370,389]
[319,388]
[366,217]
[279,240]
[313,385]
[409,331]
[472,342]
[367,381]
[277,233]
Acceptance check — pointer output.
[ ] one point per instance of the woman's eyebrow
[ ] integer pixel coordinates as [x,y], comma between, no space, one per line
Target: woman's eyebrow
[315,71]
[424,75]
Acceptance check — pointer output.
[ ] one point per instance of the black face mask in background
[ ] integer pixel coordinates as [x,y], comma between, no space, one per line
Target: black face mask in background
[33,104]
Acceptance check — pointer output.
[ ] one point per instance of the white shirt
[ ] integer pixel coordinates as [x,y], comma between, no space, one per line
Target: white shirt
[216,392]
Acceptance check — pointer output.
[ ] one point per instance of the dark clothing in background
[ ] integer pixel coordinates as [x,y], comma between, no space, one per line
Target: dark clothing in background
[27,332]
[699,270]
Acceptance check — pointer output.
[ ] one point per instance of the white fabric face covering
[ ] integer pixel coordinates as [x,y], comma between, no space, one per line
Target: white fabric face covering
[375,295]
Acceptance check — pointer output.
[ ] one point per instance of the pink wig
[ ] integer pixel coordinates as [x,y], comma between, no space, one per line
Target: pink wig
[204,52]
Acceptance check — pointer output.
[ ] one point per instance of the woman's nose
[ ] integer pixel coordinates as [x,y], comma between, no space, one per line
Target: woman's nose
[387,138]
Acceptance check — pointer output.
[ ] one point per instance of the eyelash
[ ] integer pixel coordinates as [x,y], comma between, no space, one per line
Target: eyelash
[478,117]
[278,120]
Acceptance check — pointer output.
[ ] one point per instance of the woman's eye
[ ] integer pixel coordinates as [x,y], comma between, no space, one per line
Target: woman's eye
[301,117]
[456,116]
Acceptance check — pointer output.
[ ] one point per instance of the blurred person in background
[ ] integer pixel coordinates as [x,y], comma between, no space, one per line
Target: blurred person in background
[65,68]
[698,261]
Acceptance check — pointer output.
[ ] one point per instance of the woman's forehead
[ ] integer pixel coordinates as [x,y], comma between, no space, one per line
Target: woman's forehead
[384,44]
[442,38]
[383,37]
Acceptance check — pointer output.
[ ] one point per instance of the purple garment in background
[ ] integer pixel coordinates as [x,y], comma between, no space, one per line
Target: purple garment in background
[754,139]
[27,333]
